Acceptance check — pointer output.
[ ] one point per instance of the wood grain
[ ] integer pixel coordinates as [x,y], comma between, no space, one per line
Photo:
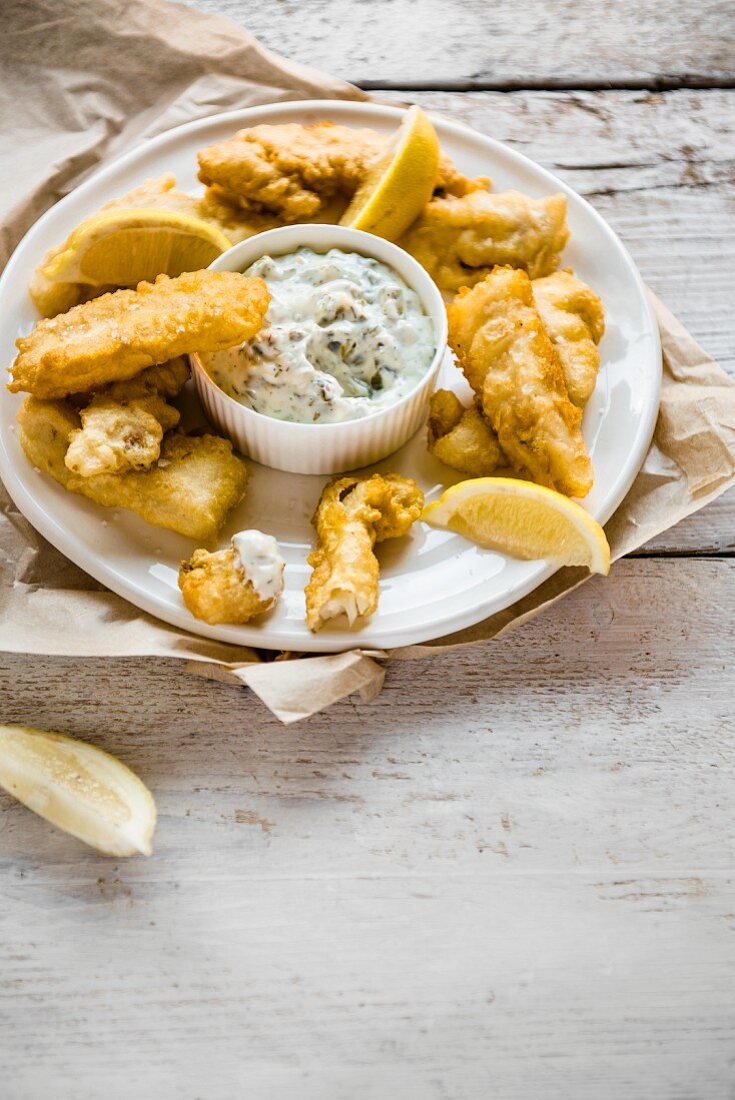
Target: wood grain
[512,875]
[518,887]
[470,43]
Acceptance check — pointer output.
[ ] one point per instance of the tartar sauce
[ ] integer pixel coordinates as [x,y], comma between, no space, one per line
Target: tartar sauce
[343,337]
[261,561]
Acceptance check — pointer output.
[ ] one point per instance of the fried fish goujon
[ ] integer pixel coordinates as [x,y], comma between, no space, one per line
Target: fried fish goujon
[509,360]
[114,337]
[575,320]
[124,423]
[195,483]
[292,169]
[461,437]
[217,588]
[459,239]
[353,514]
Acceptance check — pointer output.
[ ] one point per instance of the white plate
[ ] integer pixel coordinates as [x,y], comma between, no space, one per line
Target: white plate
[433,582]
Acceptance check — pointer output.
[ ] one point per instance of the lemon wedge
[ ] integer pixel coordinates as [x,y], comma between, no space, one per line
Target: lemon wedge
[123,246]
[79,788]
[400,183]
[523,520]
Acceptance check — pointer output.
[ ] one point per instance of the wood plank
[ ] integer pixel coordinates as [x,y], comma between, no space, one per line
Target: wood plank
[519,886]
[711,531]
[469,43]
[512,874]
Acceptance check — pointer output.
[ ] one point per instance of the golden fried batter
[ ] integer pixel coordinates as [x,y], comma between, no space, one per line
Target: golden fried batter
[167,378]
[451,181]
[353,514]
[461,437]
[506,354]
[575,320]
[159,192]
[216,588]
[459,239]
[51,298]
[289,169]
[192,487]
[116,336]
[123,424]
[292,169]
[119,436]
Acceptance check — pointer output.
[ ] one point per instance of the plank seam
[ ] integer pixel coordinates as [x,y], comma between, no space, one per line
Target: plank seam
[687,555]
[658,84]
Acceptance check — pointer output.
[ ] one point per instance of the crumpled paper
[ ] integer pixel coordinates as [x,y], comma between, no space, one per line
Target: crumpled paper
[91,78]
[86,80]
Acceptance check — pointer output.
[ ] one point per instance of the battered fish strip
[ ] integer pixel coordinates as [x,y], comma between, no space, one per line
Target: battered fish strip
[461,437]
[115,337]
[195,483]
[460,239]
[123,424]
[216,588]
[353,514]
[509,360]
[291,169]
[575,320]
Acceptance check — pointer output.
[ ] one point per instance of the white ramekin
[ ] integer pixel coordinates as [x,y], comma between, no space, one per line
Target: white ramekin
[325,448]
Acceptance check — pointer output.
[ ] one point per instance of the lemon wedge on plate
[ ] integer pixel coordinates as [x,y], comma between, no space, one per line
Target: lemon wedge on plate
[400,183]
[121,247]
[523,520]
[79,788]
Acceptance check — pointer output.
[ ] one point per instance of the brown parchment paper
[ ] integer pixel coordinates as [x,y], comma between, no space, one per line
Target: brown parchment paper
[84,80]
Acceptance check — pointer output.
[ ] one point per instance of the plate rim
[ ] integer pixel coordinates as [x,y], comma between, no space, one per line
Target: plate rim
[125,586]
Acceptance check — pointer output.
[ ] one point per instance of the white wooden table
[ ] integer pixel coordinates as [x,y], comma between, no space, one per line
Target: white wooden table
[512,875]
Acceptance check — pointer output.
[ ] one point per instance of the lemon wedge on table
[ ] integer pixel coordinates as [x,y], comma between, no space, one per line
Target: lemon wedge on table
[400,183]
[79,788]
[523,520]
[121,247]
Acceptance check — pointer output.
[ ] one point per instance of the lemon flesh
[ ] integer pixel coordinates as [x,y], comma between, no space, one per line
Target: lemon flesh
[121,247]
[522,520]
[78,788]
[400,183]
